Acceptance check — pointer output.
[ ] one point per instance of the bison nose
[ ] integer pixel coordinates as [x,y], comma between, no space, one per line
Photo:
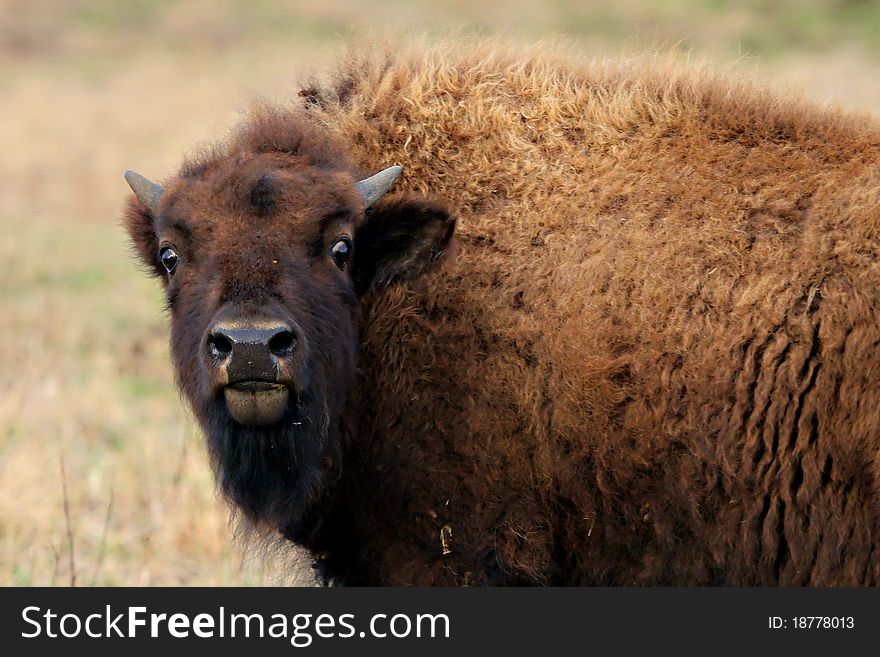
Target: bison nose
[251,352]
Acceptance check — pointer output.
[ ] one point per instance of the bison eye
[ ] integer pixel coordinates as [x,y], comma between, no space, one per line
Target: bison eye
[169,259]
[341,251]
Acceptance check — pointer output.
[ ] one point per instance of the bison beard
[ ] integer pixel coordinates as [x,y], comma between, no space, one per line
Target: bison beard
[271,474]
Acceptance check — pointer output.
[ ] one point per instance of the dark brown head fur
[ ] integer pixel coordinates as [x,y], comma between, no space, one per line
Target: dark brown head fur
[252,224]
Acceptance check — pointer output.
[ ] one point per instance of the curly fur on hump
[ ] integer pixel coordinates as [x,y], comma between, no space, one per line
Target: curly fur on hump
[653,357]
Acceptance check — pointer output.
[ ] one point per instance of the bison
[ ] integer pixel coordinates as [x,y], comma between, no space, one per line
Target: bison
[616,323]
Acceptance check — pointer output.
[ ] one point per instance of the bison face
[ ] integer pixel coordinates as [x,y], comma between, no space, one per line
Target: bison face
[263,263]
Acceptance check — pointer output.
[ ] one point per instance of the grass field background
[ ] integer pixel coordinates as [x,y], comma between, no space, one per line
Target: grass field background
[88,89]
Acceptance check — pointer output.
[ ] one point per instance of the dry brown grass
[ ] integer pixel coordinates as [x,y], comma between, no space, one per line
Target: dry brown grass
[85,372]
[85,377]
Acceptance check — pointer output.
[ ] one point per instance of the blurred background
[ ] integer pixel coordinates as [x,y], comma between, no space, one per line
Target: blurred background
[103,476]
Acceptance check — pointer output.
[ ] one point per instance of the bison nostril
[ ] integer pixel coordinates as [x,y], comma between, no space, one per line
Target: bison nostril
[281,344]
[219,345]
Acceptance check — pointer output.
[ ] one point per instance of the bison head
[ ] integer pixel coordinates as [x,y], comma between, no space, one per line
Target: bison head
[264,250]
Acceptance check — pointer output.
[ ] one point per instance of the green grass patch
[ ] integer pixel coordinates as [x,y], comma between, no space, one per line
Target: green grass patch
[139,387]
[113,15]
[21,576]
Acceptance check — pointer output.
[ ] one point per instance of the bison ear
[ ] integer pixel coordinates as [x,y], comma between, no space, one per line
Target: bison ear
[400,238]
[138,222]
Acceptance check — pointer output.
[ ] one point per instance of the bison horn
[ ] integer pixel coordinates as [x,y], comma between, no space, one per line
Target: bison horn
[374,187]
[147,191]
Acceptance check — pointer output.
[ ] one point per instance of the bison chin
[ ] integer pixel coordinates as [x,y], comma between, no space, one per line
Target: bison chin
[270,472]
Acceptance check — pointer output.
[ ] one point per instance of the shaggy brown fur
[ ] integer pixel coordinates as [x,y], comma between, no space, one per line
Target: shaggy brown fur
[653,358]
